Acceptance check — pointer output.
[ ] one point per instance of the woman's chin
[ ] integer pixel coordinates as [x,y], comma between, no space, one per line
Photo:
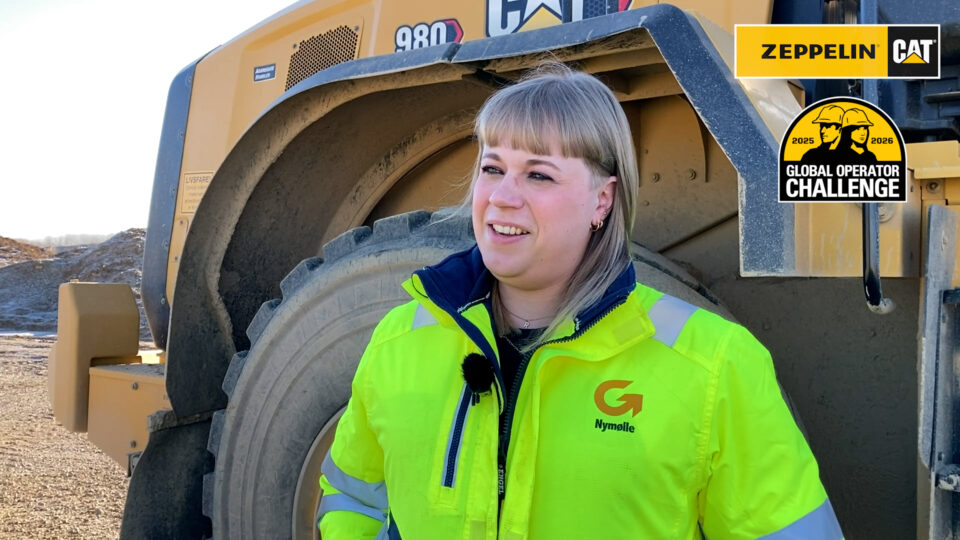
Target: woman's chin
[502,267]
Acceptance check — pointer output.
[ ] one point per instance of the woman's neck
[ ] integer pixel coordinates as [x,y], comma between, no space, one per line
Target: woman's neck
[529,308]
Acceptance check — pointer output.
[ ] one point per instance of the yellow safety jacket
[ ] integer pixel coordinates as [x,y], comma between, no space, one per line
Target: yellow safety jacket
[643,418]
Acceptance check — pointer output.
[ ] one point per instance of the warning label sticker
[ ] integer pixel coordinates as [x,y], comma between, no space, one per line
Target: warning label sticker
[264,73]
[192,188]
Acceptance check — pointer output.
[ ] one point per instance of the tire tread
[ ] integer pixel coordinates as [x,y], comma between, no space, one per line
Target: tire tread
[442,224]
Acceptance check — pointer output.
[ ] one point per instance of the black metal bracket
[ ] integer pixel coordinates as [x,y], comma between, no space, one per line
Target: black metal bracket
[871,261]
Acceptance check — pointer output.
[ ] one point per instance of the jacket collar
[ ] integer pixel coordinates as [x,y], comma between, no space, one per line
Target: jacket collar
[457,282]
[457,291]
[461,281]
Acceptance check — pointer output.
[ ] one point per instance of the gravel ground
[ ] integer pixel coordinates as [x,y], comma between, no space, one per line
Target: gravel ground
[53,483]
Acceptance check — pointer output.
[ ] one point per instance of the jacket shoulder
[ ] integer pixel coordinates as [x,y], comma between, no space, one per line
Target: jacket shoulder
[690,330]
[395,323]
[402,320]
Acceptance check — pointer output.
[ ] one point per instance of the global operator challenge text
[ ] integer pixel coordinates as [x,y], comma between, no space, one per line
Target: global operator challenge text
[842,181]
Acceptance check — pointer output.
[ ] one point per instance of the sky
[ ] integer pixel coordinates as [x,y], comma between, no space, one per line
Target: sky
[83,86]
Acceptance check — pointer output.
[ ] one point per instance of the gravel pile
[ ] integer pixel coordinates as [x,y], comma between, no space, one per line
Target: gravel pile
[31,276]
[13,251]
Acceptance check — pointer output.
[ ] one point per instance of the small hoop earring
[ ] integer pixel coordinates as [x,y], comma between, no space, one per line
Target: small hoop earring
[594,227]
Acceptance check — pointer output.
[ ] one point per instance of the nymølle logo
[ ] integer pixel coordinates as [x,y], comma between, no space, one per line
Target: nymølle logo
[842,150]
[627,402]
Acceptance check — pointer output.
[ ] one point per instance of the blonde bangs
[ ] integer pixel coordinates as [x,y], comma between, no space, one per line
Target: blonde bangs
[542,113]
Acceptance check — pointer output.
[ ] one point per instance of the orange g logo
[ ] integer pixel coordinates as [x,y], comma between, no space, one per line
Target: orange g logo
[628,401]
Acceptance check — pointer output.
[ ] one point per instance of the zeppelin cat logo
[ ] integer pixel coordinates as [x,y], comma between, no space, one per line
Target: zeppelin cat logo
[509,16]
[842,150]
[845,51]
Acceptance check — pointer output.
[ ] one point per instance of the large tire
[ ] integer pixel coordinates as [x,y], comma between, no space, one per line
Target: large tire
[287,392]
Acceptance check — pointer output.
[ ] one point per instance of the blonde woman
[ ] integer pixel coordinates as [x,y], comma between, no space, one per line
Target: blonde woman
[532,389]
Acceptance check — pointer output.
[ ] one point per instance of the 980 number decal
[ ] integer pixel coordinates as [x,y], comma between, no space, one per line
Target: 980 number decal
[423,35]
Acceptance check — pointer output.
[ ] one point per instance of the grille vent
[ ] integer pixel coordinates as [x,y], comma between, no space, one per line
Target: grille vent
[330,48]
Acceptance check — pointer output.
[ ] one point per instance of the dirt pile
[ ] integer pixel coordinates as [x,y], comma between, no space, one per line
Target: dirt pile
[29,287]
[13,251]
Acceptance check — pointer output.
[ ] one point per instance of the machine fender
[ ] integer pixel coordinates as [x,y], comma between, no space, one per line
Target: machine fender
[163,202]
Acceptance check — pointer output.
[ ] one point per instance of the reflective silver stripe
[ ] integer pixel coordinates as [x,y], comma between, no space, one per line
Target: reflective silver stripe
[422,318]
[669,314]
[462,403]
[820,524]
[341,501]
[373,495]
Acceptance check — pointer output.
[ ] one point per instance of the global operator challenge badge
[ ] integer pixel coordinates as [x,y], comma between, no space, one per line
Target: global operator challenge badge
[842,150]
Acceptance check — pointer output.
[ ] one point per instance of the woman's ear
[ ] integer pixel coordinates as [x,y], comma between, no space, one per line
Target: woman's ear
[605,196]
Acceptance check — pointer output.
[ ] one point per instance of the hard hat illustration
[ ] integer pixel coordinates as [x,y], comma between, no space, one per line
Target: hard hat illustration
[831,114]
[855,117]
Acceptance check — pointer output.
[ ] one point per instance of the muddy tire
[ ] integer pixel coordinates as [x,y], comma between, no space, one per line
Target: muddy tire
[286,393]
[296,376]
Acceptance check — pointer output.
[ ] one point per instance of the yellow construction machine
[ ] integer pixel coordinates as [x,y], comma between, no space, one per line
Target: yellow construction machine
[305,165]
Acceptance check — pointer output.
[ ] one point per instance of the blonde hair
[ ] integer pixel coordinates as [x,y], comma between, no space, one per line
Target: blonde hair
[556,103]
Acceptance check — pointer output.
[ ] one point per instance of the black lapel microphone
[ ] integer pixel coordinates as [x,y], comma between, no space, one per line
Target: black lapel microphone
[478,373]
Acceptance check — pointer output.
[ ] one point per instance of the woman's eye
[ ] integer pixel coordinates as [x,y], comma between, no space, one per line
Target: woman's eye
[540,176]
[490,169]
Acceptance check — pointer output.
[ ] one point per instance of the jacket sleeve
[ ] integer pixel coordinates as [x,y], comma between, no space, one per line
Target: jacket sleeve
[354,503]
[763,479]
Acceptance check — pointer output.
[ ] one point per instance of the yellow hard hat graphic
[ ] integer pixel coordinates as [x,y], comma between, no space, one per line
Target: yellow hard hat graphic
[830,114]
[855,117]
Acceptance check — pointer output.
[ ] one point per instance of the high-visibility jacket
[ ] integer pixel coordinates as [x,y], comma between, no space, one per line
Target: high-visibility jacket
[643,418]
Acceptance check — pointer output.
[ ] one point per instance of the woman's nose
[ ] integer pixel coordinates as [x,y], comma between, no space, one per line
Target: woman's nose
[507,193]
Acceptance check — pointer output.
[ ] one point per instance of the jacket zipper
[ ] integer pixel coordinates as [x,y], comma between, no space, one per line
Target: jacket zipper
[506,419]
[456,435]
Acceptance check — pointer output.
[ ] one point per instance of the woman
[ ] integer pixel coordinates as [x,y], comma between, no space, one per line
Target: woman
[854,134]
[533,389]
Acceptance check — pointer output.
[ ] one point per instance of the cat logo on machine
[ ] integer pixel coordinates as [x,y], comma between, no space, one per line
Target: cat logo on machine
[422,35]
[509,16]
[842,150]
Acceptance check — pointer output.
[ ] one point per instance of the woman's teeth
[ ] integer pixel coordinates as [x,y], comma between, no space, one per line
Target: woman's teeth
[511,231]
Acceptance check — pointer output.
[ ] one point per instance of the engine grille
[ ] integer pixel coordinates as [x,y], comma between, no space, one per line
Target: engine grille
[330,48]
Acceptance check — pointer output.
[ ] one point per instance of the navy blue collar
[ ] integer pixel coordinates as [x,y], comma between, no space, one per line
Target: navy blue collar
[462,280]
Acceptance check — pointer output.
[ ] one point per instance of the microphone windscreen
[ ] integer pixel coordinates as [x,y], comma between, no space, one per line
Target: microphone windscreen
[477,372]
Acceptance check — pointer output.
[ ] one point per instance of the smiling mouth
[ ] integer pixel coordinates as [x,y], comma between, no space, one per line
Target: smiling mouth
[508,231]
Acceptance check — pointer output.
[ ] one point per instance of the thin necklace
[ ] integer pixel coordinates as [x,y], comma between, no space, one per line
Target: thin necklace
[526,322]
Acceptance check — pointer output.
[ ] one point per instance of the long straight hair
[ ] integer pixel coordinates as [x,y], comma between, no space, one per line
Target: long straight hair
[846,138]
[554,103]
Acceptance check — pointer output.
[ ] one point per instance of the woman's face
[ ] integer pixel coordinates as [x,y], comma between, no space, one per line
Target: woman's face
[859,135]
[532,214]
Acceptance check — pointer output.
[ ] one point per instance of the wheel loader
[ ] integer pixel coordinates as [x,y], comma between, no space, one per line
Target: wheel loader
[309,165]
